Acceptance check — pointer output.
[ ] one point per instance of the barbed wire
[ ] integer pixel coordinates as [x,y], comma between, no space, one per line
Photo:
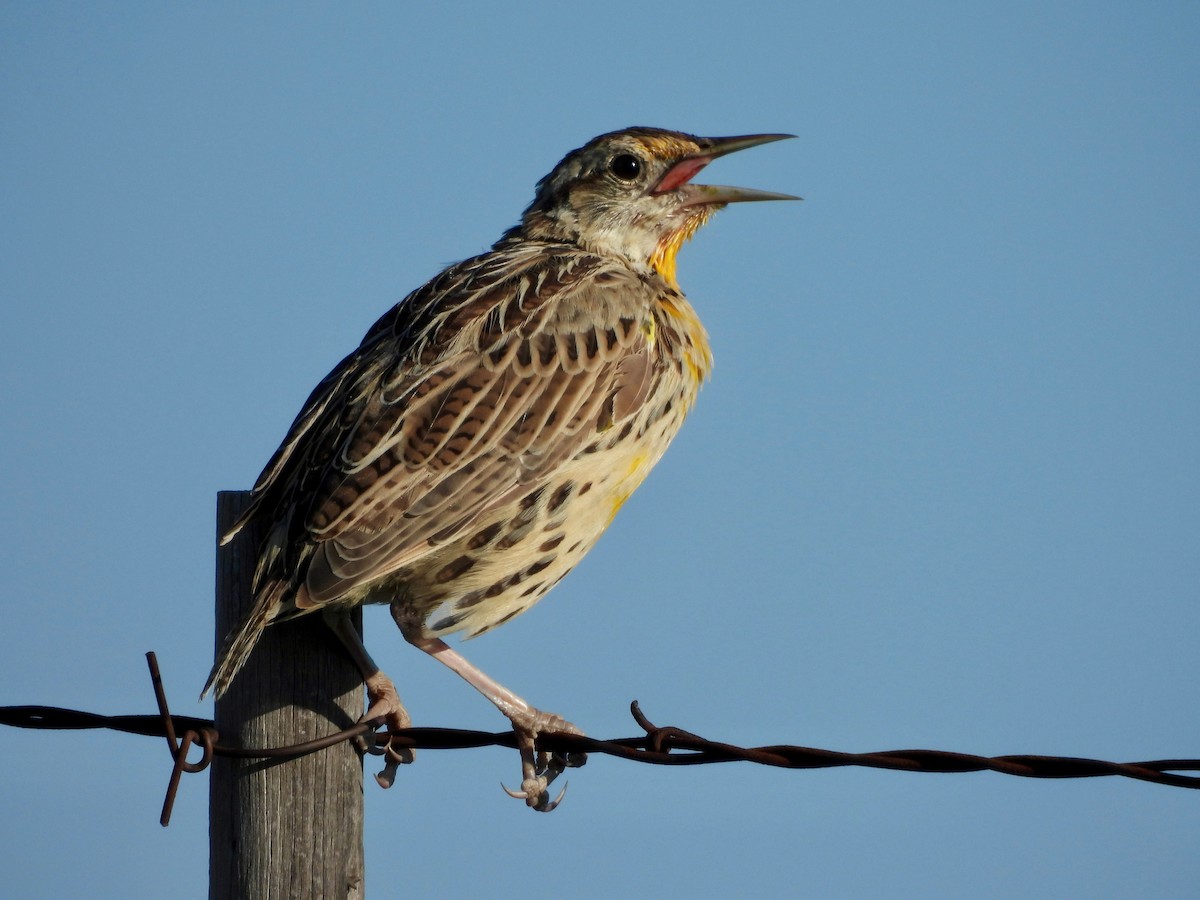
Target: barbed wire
[660,745]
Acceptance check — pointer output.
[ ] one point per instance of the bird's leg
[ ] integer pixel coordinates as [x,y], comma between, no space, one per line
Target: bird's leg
[383,701]
[538,768]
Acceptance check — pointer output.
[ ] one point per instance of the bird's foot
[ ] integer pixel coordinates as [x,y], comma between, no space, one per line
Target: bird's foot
[539,768]
[384,703]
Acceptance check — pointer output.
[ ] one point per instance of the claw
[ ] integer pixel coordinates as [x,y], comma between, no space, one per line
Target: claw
[387,710]
[516,795]
[537,799]
[386,776]
[539,768]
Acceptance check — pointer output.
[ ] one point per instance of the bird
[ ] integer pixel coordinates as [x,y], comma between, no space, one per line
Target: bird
[488,428]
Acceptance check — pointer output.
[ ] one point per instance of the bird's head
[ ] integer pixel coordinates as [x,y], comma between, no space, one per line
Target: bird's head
[630,193]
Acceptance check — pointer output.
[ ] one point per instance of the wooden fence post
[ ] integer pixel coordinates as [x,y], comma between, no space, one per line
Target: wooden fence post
[283,828]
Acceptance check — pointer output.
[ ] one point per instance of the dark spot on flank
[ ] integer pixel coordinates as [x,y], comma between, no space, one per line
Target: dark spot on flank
[485,536]
[537,567]
[560,495]
[454,569]
[532,498]
[447,622]
[497,589]
[466,601]
[515,536]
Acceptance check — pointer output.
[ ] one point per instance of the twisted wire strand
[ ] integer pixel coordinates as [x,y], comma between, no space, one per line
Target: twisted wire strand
[660,745]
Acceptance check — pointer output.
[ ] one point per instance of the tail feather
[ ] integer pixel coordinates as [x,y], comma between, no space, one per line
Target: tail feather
[240,642]
[235,529]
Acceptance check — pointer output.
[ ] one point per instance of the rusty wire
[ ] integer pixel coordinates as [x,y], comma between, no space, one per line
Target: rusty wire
[660,745]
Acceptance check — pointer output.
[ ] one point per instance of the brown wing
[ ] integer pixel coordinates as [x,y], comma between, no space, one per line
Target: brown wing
[457,399]
[494,375]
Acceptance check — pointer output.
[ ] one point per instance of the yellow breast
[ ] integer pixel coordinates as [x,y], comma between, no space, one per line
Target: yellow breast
[696,352]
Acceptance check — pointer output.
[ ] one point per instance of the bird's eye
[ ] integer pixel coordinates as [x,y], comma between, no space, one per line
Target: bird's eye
[625,166]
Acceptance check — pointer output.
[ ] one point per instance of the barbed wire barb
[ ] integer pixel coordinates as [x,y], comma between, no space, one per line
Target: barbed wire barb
[660,745]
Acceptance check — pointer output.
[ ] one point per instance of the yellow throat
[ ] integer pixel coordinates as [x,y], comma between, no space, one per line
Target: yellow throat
[662,260]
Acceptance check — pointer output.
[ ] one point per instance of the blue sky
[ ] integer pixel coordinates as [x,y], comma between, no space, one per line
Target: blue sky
[942,490]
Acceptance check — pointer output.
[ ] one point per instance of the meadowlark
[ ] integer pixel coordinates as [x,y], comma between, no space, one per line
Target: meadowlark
[489,427]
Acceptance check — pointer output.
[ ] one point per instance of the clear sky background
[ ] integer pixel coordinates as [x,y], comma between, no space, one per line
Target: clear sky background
[941,492]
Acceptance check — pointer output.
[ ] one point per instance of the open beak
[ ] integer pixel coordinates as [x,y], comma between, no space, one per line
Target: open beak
[678,178]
